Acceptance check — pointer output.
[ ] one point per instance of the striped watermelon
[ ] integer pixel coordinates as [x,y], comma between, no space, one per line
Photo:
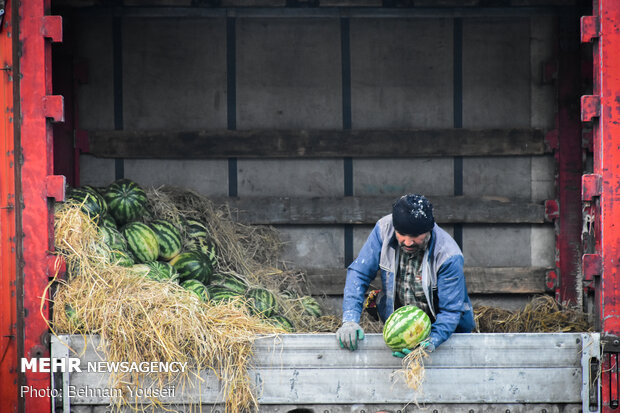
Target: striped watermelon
[218,293]
[290,294]
[203,245]
[168,238]
[232,282]
[311,306]
[126,201]
[261,302]
[406,327]
[279,321]
[141,241]
[90,201]
[162,271]
[122,258]
[197,288]
[108,221]
[195,229]
[113,238]
[193,265]
[91,188]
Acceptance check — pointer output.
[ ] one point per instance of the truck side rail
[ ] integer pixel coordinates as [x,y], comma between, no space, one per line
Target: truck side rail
[308,371]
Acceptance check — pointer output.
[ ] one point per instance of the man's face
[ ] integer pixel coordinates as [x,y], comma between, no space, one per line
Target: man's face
[411,244]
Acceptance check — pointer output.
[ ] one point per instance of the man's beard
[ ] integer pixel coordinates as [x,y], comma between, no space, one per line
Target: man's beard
[416,249]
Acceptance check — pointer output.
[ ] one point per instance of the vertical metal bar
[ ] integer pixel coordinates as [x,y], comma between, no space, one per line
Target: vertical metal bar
[231,96]
[609,355]
[569,160]
[606,141]
[607,163]
[119,123]
[35,163]
[8,206]
[457,81]
[347,124]
[615,406]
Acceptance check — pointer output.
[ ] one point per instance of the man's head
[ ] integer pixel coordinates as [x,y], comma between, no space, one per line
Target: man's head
[412,216]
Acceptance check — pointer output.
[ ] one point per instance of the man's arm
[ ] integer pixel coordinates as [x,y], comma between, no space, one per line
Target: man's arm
[451,294]
[359,276]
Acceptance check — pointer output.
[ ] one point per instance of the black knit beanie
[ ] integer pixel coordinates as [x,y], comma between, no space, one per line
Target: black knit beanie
[412,215]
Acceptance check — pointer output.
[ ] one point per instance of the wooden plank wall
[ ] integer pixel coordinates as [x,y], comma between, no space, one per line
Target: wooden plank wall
[316,124]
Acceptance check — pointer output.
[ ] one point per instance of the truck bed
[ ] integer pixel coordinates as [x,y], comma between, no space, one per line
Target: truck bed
[309,372]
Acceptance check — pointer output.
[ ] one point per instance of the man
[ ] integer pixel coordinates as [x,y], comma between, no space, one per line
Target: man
[420,265]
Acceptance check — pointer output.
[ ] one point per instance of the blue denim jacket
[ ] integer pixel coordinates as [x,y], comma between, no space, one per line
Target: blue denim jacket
[442,279]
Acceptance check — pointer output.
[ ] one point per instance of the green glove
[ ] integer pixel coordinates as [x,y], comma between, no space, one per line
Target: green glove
[426,345]
[349,334]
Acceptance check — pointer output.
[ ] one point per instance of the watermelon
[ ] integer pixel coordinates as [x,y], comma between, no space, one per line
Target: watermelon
[232,282]
[168,238]
[113,238]
[122,258]
[108,221]
[126,200]
[73,317]
[195,229]
[141,241]
[406,327]
[161,271]
[311,306]
[279,321]
[91,188]
[290,294]
[197,288]
[203,245]
[90,201]
[193,265]
[218,293]
[261,302]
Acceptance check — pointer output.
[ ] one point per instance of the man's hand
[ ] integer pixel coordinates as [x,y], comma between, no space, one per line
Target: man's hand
[426,345]
[349,334]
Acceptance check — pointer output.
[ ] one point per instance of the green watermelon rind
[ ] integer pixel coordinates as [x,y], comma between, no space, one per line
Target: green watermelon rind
[162,271]
[406,327]
[311,306]
[141,241]
[261,302]
[113,238]
[168,237]
[195,229]
[126,201]
[196,287]
[122,258]
[219,293]
[192,265]
[279,321]
[90,201]
[231,282]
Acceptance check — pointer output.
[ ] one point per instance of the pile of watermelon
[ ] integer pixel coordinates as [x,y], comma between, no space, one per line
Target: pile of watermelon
[170,252]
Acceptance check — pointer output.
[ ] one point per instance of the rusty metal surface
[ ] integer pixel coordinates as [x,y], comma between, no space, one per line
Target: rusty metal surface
[602,30]
[8,257]
[36,32]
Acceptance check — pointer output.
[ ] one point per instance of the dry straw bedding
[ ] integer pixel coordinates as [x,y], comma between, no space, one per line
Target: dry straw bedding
[140,319]
[144,320]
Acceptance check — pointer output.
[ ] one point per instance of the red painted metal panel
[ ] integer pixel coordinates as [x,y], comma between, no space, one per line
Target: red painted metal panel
[8,250]
[606,144]
[36,102]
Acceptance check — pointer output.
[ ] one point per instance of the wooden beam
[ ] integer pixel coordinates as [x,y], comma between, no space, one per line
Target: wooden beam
[386,143]
[367,210]
[480,280]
